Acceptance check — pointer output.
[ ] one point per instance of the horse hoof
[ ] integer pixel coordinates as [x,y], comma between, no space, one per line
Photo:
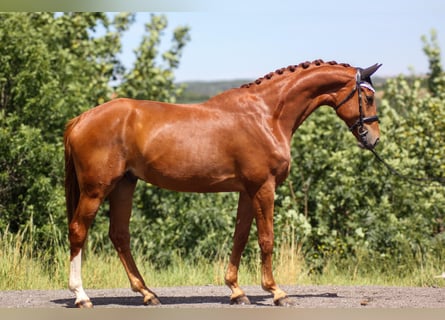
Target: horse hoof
[152,301]
[241,300]
[284,302]
[84,304]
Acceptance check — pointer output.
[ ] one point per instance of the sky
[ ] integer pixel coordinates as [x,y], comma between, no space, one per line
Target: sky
[246,39]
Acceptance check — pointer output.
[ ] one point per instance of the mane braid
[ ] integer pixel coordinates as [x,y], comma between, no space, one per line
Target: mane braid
[292,68]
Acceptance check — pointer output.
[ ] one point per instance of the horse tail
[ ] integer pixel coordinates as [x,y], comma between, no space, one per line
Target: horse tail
[72,191]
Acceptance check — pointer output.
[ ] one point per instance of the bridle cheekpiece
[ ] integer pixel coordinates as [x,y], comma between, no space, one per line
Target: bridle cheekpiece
[359,123]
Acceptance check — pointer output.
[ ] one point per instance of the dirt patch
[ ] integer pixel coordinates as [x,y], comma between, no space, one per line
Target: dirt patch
[218,297]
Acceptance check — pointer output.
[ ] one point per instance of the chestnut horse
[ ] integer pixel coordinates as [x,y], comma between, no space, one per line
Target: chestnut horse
[237,141]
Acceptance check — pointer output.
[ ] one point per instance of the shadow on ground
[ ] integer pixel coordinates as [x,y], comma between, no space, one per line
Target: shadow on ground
[197,301]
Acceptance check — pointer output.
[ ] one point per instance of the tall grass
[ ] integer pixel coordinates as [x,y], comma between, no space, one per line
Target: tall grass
[23,267]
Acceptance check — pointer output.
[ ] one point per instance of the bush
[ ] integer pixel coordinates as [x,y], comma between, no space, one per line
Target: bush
[338,203]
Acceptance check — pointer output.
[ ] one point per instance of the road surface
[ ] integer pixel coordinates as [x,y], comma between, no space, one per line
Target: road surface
[218,297]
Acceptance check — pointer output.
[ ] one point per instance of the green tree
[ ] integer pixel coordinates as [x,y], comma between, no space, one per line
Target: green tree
[338,201]
[351,204]
[148,80]
[436,79]
[53,67]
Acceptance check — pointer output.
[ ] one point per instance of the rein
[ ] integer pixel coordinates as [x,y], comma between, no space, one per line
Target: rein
[409,178]
[363,132]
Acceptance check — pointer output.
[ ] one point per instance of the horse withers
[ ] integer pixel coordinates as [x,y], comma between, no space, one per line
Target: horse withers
[236,141]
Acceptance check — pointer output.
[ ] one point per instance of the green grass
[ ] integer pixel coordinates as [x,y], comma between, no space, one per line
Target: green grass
[18,270]
[22,268]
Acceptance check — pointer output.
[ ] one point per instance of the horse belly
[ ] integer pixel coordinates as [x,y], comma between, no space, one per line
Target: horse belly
[193,183]
[190,163]
[178,175]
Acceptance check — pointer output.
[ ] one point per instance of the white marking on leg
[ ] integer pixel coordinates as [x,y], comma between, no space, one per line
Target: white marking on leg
[75,281]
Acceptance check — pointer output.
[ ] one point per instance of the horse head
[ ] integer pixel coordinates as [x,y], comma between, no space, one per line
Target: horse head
[360,113]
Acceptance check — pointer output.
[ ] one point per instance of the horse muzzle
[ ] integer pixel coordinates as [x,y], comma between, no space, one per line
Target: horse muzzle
[367,140]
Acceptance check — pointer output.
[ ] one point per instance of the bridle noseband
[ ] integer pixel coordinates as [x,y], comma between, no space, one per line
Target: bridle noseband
[362,131]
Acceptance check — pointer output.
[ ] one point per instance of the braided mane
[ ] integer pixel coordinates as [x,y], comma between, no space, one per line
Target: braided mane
[292,68]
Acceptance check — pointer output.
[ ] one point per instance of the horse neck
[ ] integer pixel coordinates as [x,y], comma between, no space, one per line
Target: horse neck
[292,96]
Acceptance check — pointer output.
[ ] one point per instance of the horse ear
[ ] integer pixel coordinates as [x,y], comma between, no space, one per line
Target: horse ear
[368,72]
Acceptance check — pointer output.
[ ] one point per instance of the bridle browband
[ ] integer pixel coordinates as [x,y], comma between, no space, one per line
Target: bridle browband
[359,83]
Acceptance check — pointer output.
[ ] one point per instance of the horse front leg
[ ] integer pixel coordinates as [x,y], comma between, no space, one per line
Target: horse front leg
[264,210]
[244,220]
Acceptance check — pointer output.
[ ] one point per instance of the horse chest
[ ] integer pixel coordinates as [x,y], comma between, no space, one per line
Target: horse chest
[264,158]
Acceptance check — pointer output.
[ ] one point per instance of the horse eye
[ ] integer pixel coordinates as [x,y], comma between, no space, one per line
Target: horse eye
[370,99]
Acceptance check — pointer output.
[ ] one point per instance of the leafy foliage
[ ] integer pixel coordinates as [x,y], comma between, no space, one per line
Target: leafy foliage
[338,203]
[351,202]
[53,67]
[147,80]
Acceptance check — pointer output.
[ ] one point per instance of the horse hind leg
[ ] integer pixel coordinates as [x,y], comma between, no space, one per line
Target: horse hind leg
[120,211]
[78,230]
